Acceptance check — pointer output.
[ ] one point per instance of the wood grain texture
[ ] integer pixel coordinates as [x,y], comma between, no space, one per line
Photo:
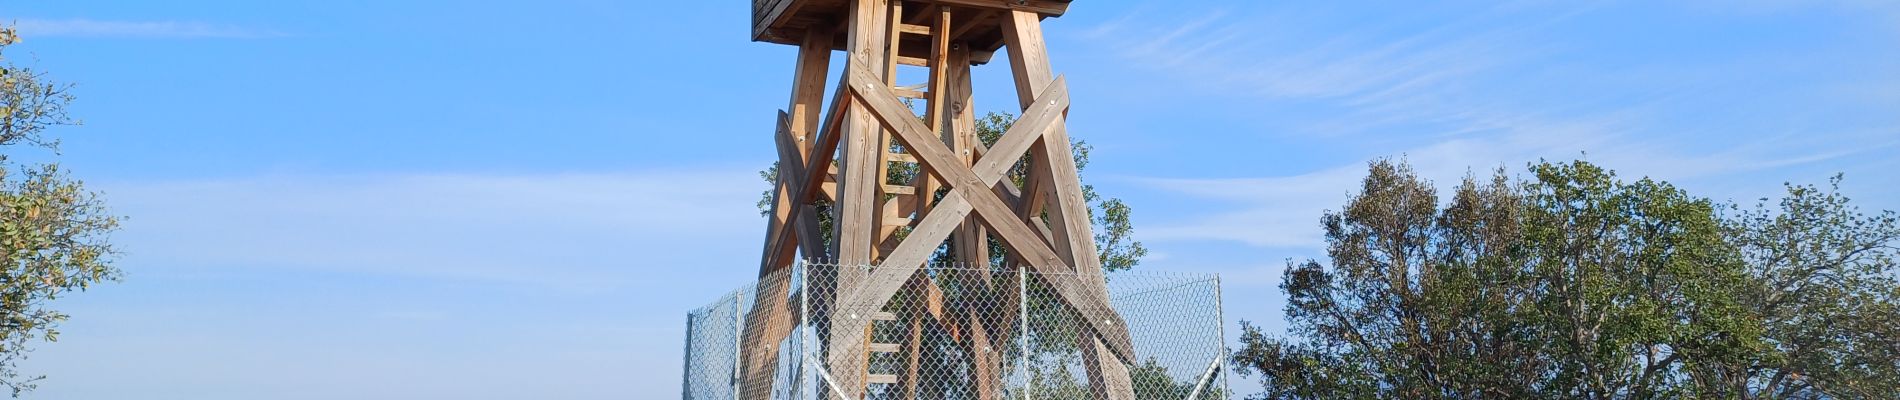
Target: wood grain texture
[1029,60]
[868,48]
[996,215]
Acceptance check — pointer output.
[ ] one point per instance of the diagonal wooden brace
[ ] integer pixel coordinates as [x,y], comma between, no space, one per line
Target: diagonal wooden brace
[803,192]
[791,173]
[970,192]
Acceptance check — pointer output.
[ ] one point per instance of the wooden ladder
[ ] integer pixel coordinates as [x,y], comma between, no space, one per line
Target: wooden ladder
[900,202]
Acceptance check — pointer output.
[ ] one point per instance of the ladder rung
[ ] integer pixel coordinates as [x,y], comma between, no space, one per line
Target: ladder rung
[885,348]
[914,29]
[913,61]
[900,157]
[905,221]
[908,93]
[899,189]
[881,378]
[883,316]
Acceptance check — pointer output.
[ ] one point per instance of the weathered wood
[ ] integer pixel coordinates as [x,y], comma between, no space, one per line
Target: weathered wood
[768,13]
[916,344]
[1106,375]
[1029,61]
[913,61]
[901,158]
[767,325]
[857,198]
[913,29]
[995,214]
[822,153]
[794,138]
[931,151]
[936,104]
[895,41]
[808,90]
[975,23]
[790,172]
[807,109]
[858,183]
[786,21]
[970,242]
[1043,7]
[911,94]
[840,154]
[893,54]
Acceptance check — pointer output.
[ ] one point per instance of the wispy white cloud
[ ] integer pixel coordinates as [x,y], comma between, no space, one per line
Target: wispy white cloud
[1268,212]
[1465,90]
[561,231]
[1283,211]
[82,27]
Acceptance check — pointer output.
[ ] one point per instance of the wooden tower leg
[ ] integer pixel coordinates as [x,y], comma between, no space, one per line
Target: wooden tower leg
[1070,230]
[866,45]
[770,320]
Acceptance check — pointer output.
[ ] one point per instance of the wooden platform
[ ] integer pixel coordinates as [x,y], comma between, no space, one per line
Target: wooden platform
[976,22]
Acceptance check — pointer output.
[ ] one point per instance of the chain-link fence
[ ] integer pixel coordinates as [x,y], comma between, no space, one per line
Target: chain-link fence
[844,332]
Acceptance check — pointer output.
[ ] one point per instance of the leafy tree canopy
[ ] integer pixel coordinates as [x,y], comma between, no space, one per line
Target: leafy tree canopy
[1572,283]
[52,231]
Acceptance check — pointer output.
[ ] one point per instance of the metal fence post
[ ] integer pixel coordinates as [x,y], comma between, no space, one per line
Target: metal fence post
[1022,316]
[804,318]
[1220,325]
[686,378]
[738,341]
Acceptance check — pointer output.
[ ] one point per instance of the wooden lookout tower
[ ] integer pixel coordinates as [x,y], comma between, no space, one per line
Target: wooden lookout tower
[838,156]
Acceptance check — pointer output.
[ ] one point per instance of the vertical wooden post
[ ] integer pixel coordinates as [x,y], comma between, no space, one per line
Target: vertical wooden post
[970,241]
[1029,60]
[939,95]
[806,112]
[858,186]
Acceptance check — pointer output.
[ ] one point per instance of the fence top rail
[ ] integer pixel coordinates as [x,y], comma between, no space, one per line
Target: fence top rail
[954,267]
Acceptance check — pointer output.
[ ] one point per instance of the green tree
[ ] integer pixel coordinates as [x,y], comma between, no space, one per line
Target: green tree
[1824,291]
[52,230]
[1571,284]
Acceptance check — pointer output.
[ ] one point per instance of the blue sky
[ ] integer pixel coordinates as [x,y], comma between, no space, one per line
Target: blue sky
[477,200]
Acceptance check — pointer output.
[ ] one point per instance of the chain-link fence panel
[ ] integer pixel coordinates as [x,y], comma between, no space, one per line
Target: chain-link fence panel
[712,348]
[850,332]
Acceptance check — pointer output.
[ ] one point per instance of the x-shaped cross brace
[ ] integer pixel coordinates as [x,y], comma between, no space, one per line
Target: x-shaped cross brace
[970,191]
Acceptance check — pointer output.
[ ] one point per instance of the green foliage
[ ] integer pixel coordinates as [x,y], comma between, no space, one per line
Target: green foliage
[52,231]
[1574,284]
[1823,289]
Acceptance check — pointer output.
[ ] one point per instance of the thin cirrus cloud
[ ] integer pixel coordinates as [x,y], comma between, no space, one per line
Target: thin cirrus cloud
[91,28]
[1469,90]
[584,232]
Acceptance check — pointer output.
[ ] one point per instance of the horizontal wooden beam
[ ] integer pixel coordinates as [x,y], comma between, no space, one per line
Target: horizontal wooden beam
[913,61]
[913,29]
[1049,8]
